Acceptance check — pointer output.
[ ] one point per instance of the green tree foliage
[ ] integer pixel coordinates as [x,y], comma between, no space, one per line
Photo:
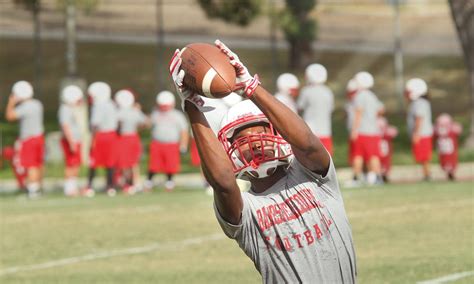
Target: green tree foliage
[239,12]
[299,29]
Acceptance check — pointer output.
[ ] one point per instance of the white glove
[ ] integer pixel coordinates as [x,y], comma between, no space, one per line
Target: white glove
[186,94]
[245,84]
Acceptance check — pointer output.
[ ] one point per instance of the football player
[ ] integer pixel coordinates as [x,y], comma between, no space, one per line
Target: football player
[129,146]
[288,89]
[169,138]
[447,135]
[316,103]
[71,97]
[104,124]
[365,133]
[292,223]
[28,111]
[419,122]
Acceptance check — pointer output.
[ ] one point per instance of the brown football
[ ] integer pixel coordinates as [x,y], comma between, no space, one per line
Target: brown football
[207,70]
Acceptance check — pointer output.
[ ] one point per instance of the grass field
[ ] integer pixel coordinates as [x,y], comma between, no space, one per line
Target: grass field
[403,234]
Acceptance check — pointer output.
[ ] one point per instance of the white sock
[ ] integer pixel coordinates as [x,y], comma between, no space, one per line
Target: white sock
[33,189]
[70,186]
[371,177]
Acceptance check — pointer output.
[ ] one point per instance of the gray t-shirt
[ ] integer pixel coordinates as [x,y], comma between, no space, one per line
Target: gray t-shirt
[287,100]
[370,106]
[68,116]
[104,116]
[317,104]
[30,115]
[420,108]
[297,231]
[167,126]
[349,107]
[130,119]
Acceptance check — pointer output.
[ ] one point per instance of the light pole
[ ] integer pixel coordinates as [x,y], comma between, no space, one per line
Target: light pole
[160,40]
[398,53]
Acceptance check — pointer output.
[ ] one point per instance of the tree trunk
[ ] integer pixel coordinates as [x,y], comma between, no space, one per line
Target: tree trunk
[37,49]
[463,16]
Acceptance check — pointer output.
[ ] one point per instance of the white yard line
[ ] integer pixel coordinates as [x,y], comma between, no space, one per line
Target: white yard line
[448,278]
[112,253]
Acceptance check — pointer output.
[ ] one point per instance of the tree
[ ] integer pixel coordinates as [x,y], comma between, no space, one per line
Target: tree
[294,20]
[34,6]
[299,29]
[463,16]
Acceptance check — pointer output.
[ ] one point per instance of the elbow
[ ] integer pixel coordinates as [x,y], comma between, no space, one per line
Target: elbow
[9,117]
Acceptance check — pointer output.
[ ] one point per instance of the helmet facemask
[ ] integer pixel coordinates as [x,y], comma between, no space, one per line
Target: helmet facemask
[255,155]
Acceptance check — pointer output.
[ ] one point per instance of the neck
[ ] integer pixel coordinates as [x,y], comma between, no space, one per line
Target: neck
[259,185]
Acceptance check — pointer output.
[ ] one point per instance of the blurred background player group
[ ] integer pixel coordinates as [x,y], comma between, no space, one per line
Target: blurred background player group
[116,146]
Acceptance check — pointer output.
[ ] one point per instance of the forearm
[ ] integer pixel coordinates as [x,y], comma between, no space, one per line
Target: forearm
[217,167]
[10,111]
[67,133]
[290,126]
[212,154]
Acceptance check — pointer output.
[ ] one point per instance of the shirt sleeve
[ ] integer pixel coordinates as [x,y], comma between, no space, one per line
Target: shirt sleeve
[301,102]
[328,182]
[234,231]
[62,116]
[21,110]
[359,101]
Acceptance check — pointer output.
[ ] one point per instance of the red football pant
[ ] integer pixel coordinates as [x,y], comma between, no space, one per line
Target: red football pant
[72,159]
[129,150]
[32,152]
[103,150]
[367,147]
[423,149]
[164,158]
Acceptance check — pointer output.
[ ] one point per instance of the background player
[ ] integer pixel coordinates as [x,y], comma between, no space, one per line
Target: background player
[387,134]
[287,86]
[129,147]
[104,124]
[420,127]
[365,132]
[28,111]
[69,121]
[316,103]
[169,138]
[292,222]
[446,136]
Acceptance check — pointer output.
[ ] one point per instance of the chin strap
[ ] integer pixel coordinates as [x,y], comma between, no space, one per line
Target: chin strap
[261,170]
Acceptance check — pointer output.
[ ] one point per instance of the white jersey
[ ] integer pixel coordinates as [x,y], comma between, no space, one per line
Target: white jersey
[130,119]
[30,115]
[287,100]
[104,116]
[370,105]
[420,108]
[168,125]
[68,116]
[297,231]
[317,104]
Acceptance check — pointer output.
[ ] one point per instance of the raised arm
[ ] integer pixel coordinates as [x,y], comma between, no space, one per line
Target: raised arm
[10,114]
[307,148]
[215,163]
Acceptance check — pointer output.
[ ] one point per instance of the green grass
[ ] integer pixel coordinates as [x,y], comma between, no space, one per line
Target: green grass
[403,234]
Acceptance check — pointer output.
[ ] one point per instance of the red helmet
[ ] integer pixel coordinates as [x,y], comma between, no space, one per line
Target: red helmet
[266,151]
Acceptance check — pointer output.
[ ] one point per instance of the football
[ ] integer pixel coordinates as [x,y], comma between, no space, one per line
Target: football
[207,70]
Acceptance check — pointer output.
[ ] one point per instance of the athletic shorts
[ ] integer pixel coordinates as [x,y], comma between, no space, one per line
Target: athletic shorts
[104,150]
[350,152]
[423,149]
[71,159]
[195,159]
[129,151]
[164,158]
[448,162]
[32,152]
[367,147]
[327,142]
